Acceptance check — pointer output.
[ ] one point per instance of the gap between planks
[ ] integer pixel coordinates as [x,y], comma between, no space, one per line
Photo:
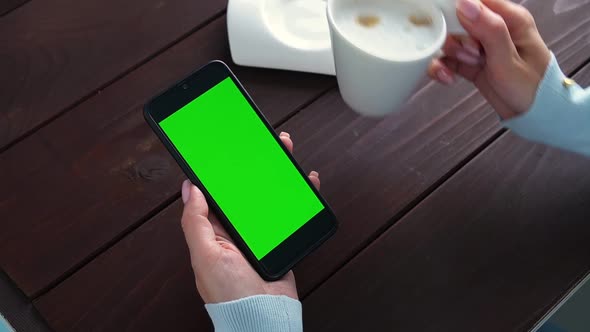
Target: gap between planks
[392,221]
[16,7]
[154,212]
[416,202]
[125,73]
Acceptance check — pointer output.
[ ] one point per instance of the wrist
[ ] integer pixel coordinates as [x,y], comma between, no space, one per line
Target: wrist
[540,66]
[532,79]
[559,115]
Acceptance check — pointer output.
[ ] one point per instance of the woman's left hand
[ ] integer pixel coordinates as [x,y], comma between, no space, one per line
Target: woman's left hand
[222,273]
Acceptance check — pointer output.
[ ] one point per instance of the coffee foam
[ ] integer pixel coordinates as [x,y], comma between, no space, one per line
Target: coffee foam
[391,29]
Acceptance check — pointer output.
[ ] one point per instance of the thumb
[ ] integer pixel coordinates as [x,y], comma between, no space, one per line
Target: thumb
[197,229]
[489,28]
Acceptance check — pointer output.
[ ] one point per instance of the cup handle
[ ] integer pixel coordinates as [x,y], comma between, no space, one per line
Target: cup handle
[449,9]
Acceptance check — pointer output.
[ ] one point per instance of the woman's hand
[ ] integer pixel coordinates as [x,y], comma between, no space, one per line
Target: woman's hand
[222,273]
[505,57]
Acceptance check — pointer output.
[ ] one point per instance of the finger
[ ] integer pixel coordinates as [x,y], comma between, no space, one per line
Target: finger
[461,43]
[286,139]
[452,45]
[315,179]
[464,48]
[465,70]
[489,28]
[197,229]
[470,45]
[518,19]
[441,73]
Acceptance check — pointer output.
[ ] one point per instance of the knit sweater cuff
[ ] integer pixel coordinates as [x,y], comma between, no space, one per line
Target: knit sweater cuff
[4,325]
[259,313]
[559,116]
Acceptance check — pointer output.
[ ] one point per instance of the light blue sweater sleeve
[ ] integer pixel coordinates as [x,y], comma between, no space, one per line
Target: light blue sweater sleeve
[560,115]
[4,326]
[260,313]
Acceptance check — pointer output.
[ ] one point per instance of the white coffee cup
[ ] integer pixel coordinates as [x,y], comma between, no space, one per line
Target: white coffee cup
[375,83]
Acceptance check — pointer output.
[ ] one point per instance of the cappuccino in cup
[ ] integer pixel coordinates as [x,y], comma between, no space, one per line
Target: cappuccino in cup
[382,49]
[391,29]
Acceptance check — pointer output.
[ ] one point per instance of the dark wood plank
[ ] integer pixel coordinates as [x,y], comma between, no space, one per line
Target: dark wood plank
[8,5]
[491,250]
[98,170]
[381,166]
[56,52]
[17,309]
[386,166]
[133,309]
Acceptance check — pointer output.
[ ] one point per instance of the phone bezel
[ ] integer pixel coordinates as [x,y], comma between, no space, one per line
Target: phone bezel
[301,243]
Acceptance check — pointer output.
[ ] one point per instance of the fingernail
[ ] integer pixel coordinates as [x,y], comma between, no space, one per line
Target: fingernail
[468,58]
[470,47]
[284,134]
[314,173]
[469,8]
[445,77]
[186,191]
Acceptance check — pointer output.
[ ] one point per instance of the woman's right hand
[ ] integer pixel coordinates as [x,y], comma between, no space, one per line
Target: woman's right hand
[505,56]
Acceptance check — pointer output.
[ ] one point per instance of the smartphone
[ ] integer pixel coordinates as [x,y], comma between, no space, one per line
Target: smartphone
[226,147]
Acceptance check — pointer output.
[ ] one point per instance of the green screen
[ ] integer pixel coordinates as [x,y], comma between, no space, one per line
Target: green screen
[242,166]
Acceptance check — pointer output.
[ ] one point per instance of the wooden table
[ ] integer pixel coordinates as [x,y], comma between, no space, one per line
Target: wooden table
[448,222]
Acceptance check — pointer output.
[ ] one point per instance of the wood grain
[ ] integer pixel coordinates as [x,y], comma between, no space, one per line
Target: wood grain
[54,53]
[132,309]
[99,170]
[9,5]
[17,309]
[372,170]
[492,249]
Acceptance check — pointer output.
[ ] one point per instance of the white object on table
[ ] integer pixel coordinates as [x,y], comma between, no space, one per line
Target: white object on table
[376,83]
[449,9]
[280,34]
[293,34]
